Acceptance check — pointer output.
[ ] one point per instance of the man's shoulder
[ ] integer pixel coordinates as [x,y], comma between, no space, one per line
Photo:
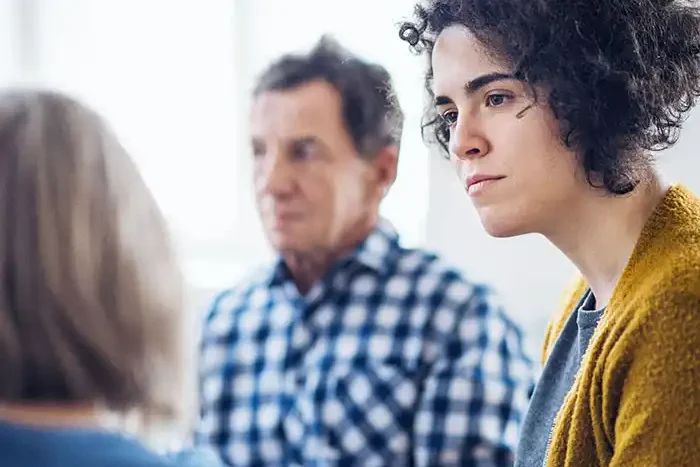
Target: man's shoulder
[465,312]
[455,299]
[433,274]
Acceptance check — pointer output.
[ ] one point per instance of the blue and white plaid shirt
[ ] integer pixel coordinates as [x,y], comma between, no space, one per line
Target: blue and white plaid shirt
[392,359]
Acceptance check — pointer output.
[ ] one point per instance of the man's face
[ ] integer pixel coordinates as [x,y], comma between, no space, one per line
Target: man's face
[313,189]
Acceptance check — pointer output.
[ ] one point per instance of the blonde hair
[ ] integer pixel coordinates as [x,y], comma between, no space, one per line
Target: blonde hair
[91,297]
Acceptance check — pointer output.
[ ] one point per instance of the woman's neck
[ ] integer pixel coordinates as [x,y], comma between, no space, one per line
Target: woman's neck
[50,415]
[600,233]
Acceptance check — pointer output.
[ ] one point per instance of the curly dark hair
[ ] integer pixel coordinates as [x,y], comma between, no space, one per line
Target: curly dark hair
[620,75]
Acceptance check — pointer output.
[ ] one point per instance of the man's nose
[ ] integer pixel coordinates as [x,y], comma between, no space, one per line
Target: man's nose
[275,175]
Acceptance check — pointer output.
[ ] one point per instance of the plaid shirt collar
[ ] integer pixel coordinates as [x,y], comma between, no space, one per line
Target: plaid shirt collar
[376,252]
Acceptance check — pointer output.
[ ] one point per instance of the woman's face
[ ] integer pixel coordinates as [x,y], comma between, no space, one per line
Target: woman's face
[505,147]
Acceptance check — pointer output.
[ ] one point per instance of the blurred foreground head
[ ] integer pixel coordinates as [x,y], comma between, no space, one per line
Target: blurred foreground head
[90,292]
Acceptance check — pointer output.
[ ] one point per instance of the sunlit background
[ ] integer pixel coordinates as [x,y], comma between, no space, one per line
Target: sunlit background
[173,77]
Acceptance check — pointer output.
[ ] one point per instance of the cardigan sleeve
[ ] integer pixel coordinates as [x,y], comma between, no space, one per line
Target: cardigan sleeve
[656,379]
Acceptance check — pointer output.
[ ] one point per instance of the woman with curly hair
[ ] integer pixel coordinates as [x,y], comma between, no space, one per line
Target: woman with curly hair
[551,112]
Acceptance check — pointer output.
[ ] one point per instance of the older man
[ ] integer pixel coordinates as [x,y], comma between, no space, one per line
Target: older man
[350,350]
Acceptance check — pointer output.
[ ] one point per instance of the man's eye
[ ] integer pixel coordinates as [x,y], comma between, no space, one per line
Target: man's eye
[258,150]
[449,117]
[303,151]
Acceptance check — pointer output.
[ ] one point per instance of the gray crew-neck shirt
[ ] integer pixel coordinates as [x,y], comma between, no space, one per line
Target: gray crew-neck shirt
[557,378]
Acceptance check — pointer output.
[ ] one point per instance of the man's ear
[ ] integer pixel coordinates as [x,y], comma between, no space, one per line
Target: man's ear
[385,165]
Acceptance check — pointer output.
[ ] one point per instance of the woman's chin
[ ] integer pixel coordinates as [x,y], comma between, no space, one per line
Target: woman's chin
[502,226]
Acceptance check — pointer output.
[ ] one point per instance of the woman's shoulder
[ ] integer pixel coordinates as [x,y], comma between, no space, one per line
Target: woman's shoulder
[133,453]
[198,457]
[87,446]
[662,276]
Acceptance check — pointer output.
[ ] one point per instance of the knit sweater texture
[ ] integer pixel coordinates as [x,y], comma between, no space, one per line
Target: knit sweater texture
[636,398]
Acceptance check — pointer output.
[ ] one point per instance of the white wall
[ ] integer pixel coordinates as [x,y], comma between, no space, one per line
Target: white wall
[164,74]
[528,271]
[10,40]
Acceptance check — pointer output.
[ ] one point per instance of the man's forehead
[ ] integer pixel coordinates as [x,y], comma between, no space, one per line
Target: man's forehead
[307,98]
[297,111]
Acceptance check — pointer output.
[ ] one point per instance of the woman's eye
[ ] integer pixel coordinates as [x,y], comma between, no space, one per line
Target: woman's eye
[450,117]
[496,100]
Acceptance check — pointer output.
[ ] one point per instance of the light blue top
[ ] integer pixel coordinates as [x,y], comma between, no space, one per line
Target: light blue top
[25,446]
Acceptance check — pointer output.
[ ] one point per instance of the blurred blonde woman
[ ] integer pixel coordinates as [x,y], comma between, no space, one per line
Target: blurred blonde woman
[91,321]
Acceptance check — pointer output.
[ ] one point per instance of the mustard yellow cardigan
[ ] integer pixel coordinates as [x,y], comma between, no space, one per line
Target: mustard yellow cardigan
[636,399]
